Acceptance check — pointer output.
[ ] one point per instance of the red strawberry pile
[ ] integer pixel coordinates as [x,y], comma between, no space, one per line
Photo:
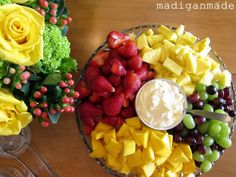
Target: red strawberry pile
[110,83]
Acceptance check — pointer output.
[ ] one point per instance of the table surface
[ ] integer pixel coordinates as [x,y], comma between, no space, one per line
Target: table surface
[61,145]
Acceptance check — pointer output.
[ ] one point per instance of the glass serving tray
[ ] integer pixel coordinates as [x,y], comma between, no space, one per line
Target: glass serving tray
[139,30]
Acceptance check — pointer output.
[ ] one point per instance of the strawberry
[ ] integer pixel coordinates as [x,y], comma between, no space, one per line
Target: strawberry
[112,105]
[83,89]
[109,120]
[88,129]
[126,103]
[101,84]
[135,62]
[114,80]
[128,112]
[128,50]
[131,84]
[142,72]
[119,122]
[91,73]
[103,94]
[116,39]
[119,89]
[99,59]
[88,113]
[117,68]
[95,98]
[106,68]
[150,75]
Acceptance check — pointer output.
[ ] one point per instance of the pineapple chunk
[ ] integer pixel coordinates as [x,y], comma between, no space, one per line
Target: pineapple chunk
[152,56]
[204,42]
[225,78]
[172,66]
[129,147]
[195,78]
[141,138]
[203,66]
[132,36]
[159,68]
[113,147]
[183,79]
[154,39]
[189,89]
[189,38]
[134,122]
[149,32]
[148,169]
[168,46]
[191,64]
[173,79]
[214,64]
[109,135]
[180,30]
[142,42]
[168,33]
[207,78]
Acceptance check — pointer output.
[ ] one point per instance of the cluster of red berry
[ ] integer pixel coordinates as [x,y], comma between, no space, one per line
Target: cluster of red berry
[39,104]
[51,8]
[16,77]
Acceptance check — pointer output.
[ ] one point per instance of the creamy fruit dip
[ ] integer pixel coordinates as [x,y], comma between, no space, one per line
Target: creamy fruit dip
[161,104]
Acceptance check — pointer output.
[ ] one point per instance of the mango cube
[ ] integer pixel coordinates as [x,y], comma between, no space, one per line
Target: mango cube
[134,122]
[109,135]
[148,154]
[98,134]
[125,169]
[152,56]
[129,147]
[168,33]
[148,169]
[160,160]
[113,147]
[98,149]
[170,173]
[103,126]
[123,131]
[135,159]
[178,156]
[141,138]
[189,167]
[172,66]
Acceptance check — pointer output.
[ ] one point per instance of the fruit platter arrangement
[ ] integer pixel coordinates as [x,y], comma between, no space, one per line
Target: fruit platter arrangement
[35,64]
[136,94]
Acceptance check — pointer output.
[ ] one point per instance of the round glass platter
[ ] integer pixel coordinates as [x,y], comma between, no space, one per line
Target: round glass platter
[137,31]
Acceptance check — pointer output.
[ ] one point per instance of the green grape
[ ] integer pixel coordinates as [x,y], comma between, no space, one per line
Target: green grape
[188,121]
[208,152]
[198,157]
[206,166]
[190,106]
[225,130]
[215,155]
[203,128]
[215,84]
[220,111]
[200,87]
[203,96]
[224,142]
[221,86]
[212,97]
[214,130]
[215,121]
[208,107]
[208,141]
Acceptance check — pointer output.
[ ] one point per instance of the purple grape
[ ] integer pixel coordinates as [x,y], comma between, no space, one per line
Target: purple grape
[199,120]
[202,149]
[184,132]
[198,105]
[214,147]
[219,107]
[219,101]
[199,139]
[226,92]
[227,108]
[198,163]
[229,101]
[211,90]
[221,93]
[194,98]
[190,140]
[193,133]
[179,127]
[232,113]
[177,138]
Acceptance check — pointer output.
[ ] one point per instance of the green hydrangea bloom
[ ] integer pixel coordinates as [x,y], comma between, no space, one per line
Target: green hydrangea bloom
[56,48]
[3,2]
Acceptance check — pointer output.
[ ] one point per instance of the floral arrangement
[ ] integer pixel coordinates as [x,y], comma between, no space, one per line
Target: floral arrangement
[35,64]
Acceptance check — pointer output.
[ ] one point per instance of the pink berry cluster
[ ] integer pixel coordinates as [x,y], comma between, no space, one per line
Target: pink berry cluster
[16,77]
[49,10]
[41,107]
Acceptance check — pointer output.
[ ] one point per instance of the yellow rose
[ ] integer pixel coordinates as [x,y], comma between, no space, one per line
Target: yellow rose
[19,1]
[21,34]
[13,114]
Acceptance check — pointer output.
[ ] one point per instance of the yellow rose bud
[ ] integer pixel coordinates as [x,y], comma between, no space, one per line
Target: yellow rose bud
[13,114]
[21,34]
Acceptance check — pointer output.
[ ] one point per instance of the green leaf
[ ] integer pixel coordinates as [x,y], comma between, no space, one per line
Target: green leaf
[54,117]
[52,79]
[34,78]
[25,89]
[64,30]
